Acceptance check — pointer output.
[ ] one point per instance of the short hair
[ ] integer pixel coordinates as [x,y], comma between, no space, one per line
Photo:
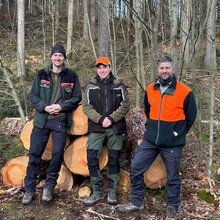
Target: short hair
[166,59]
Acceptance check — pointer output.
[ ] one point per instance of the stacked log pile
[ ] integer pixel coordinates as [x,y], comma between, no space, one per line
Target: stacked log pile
[75,156]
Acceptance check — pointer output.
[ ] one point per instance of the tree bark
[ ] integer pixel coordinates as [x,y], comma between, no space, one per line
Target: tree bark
[173,30]
[69,27]
[20,37]
[210,50]
[103,27]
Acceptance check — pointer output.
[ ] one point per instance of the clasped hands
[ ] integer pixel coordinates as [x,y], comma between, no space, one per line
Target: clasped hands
[53,109]
[106,122]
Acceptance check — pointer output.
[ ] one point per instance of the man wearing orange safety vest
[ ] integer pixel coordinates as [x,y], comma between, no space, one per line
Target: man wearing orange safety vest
[170,108]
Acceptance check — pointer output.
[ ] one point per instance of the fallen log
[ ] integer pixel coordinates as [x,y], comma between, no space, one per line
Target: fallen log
[80,122]
[85,189]
[14,171]
[65,179]
[25,139]
[75,157]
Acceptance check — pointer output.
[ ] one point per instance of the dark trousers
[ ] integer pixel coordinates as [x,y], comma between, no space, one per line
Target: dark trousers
[39,139]
[144,156]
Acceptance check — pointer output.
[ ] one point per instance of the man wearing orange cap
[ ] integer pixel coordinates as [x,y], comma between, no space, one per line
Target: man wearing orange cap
[106,103]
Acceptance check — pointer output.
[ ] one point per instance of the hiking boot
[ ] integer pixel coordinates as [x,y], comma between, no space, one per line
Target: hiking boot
[171,213]
[47,195]
[27,198]
[129,207]
[112,198]
[93,199]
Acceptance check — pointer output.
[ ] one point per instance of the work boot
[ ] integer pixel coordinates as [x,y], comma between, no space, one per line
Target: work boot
[47,195]
[129,207]
[112,198]
[171,213]
[93,199]
[27,198]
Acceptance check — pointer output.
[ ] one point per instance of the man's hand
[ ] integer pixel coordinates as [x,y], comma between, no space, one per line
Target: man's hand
[53,109]
[106,123]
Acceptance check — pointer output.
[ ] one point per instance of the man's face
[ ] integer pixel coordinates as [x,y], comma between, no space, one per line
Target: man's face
[57,59]
[165,70]
[103,71]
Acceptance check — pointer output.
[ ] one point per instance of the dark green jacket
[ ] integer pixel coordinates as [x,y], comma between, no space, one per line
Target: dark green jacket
[106,98]
[40,94]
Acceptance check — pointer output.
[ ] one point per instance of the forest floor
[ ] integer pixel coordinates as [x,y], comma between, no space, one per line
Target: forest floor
[66,205]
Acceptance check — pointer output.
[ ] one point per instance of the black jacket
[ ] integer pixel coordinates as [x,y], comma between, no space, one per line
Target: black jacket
[105,98]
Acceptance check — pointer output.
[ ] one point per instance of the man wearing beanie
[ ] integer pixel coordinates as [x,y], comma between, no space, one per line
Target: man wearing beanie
[170,109]
[105,102]
[55,94]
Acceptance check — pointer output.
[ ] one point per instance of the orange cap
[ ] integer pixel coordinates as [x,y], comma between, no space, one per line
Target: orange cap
[103,60]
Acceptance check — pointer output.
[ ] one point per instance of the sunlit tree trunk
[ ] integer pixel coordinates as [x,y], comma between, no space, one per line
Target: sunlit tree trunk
[210,50]
[103,28]
[20,37]
[69,27]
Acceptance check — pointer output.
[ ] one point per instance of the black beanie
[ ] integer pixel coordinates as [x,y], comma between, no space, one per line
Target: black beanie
[58,49]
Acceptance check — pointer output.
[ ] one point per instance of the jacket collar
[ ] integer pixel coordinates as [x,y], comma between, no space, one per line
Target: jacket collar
[171,88]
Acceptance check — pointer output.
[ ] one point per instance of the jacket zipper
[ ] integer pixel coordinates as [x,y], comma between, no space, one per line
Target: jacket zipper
[158,125]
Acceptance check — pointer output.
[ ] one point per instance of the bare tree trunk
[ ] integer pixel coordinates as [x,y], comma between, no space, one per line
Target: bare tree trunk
[173,30]
[52,21]
[14,94]
[43,29]
[69,27]
[139,50]
[186,40]
[20,38]
[210,50]
[154,41]
[113,42]
[85,23]
[57,16]
[93,18]
[89,29]
[103,28]
[212,104]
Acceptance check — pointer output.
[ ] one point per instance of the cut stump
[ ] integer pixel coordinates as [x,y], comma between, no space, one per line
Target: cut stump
[14,171]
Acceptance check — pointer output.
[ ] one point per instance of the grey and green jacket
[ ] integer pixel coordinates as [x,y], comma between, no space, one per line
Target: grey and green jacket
[105,98]
[40,94]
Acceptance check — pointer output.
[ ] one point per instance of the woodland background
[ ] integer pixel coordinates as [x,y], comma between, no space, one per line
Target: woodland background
[134,34]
